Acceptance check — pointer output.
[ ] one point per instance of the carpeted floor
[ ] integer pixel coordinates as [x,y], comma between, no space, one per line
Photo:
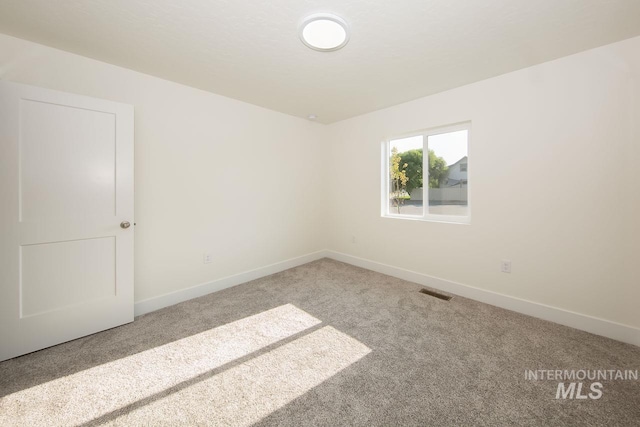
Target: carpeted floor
[322,344]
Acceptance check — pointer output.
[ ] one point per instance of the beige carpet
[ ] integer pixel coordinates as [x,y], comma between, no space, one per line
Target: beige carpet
[322,344]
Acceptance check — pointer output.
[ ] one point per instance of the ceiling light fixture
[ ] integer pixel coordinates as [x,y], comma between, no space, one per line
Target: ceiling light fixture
[324,32]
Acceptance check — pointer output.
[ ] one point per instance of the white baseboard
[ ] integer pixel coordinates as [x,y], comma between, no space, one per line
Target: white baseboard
[583,322]
[166,300]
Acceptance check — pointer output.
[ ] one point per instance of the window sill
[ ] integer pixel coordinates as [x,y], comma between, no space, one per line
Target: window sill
[446,219]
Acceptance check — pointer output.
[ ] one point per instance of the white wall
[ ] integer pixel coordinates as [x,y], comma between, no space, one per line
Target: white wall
[574,121]
[198,155]
[570,120]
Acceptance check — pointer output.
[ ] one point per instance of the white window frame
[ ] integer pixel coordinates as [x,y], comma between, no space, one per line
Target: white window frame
[426,216]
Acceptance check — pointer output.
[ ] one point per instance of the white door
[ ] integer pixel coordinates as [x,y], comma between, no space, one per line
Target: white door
[66,185]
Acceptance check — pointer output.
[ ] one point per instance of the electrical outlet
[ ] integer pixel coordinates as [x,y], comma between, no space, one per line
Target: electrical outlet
[207,258]
[505,266]
[353,239]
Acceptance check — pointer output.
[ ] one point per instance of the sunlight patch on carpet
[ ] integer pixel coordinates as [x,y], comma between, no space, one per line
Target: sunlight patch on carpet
[92,393]
[250,391]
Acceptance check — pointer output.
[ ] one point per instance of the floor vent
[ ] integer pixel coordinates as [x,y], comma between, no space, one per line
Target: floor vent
[435,294]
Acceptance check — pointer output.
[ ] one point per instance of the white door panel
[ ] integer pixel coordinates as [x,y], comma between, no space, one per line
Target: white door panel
[66,184]
[59,177]
[54,275]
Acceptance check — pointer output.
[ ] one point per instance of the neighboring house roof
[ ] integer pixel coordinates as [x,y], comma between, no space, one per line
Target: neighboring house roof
[459,161]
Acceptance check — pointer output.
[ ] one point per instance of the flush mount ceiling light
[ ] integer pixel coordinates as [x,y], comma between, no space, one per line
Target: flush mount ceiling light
[324,32]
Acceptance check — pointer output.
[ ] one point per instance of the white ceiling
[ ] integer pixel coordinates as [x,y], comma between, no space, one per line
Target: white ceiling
[249,50]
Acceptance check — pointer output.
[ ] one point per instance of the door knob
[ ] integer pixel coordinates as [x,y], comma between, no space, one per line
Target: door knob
[125,224]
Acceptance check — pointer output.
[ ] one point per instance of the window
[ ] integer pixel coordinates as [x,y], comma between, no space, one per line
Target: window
[431,187]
